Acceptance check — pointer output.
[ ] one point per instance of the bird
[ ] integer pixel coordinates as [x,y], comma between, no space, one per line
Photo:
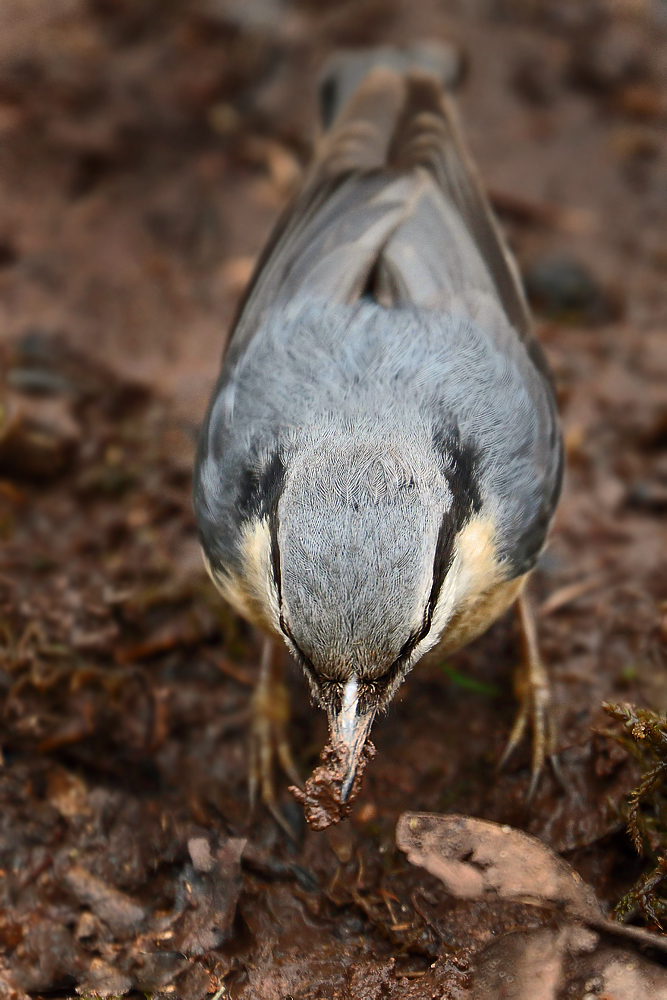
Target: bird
[381,457]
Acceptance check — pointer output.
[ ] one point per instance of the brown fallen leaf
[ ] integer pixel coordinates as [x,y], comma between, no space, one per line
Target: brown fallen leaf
[643,100]
[212,885]
[116,909]
[629,977]
[8,988]
[155,970]
[194,983]
[47,955]
[39,438]
[103,980]
[475,859]
[230,669]
[529,211]
[68,793]
[236,273]
[570,592]
[171,635]
[550,963]
[528,965]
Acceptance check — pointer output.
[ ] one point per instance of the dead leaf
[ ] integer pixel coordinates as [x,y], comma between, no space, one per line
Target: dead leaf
[194,983]
[156,970]
[211,885]
[103,980]
[38,437]
[525,966]
[236,273]
[630,977]
[46,958]
[118,911]
[475,859]
[8,988]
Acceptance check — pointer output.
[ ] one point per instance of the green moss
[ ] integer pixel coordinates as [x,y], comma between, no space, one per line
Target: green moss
[645,737]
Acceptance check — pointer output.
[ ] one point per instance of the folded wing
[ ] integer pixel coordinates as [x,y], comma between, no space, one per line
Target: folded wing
[392,208]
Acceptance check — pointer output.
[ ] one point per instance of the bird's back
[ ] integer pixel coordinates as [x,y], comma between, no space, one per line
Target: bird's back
[391,207]
[386,308]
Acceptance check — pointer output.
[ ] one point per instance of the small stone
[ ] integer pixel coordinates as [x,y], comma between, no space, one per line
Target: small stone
[562,287]
[103,980]
[88,926]
[39,438]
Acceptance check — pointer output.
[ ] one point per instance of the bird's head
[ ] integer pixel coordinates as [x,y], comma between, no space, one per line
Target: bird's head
[349,552]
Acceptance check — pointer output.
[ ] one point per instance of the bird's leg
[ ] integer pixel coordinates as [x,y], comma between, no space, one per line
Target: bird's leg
[268,735]
[532,689]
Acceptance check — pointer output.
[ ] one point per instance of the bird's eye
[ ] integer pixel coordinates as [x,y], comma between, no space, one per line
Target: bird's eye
[259,487]
[372,692]
[331,693]
[248,492]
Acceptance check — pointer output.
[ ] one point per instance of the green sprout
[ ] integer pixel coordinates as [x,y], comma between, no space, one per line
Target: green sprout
[468,683]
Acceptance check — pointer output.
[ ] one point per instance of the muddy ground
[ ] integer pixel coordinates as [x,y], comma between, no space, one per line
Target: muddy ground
[145,149]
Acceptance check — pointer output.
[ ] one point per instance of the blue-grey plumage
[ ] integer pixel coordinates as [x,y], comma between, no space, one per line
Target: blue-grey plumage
[381,457]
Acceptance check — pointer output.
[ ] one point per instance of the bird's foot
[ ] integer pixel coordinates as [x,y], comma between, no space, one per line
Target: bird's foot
[268,736]
[533,692]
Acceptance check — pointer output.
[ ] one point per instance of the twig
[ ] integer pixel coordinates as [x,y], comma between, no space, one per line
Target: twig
[226,666]
[529,211]
[569,593]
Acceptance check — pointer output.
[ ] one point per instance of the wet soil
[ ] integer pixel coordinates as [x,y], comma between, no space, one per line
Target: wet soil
[146,149]
[322,799]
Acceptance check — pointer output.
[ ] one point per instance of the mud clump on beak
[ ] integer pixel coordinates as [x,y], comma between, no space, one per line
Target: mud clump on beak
[328,797]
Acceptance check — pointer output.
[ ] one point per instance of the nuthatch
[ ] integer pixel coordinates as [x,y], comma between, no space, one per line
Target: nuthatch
[381,457]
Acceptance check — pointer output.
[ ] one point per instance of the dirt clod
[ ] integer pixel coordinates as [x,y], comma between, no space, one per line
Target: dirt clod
[322,797]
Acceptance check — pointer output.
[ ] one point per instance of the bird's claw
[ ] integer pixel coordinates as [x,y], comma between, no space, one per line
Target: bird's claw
[268,740]
[534,705]
[533,693]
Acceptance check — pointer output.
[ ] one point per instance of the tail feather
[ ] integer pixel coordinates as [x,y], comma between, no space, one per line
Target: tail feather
[428,135]
[392,206]
[345,71]
[390,109]
[362,133]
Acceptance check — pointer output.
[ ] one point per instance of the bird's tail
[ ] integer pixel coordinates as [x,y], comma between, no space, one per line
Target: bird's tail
[344,72]
[390,110]
[365,96]
[392,205]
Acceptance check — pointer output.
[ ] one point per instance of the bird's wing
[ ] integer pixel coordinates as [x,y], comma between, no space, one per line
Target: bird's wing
[451,234]
[334,229]
[391,207]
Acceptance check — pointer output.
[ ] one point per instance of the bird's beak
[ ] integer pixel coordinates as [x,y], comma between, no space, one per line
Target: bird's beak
[349,729]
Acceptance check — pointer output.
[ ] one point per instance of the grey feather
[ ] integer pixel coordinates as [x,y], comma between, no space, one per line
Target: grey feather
[346,70]
[386,319]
